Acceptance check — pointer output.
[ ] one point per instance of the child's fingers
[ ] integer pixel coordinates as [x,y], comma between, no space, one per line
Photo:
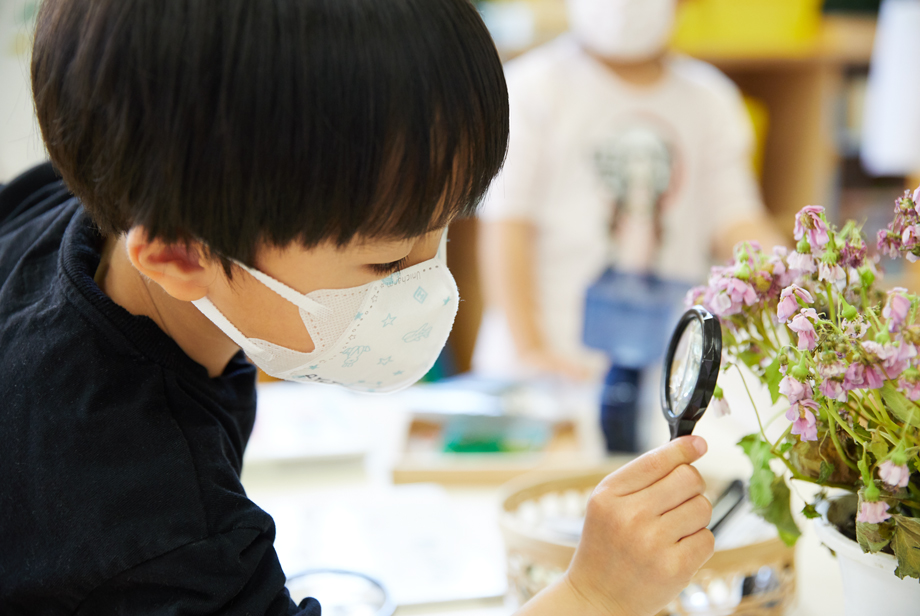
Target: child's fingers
[687,519]
[681,484]
[655,465]
[694,550]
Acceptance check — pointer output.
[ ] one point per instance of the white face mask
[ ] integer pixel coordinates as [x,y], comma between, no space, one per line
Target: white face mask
[629,30]
[380,337]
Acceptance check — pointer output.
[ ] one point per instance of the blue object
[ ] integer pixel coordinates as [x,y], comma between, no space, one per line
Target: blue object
[630,316]
[620,409]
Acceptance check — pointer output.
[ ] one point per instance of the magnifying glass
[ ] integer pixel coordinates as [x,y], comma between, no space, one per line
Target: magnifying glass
[691,368]
[342,593]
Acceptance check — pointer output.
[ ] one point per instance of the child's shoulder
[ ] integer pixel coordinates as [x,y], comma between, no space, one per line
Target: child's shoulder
[703,78]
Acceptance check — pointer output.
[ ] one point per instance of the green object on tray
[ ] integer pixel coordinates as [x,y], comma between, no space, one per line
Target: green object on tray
[495,434]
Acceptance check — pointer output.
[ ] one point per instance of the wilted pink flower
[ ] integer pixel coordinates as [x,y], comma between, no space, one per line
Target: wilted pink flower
[803,419]
[802,325]
[860,376]
[889,243]
[894,358]
[831,273]
[719,407]
[852,255]
[788,305]
[795,390]
[728,295]
[782,274]
[694,296]
[910,388]
[802,263]
[833,389]
[893,474]
[831,370]
[897,308]
[850,329]
[916,199]
[873,513]
[808,222]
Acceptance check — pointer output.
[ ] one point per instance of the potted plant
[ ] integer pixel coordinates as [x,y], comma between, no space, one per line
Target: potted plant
[813,326]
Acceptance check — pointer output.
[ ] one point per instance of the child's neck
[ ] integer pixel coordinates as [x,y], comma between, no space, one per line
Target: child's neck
[192,331]
[643,73]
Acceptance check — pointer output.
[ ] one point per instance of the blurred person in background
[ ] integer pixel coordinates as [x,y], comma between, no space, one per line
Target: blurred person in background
[621,155]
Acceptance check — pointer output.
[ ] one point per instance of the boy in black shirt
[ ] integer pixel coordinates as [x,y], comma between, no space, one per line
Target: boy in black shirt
[271,175]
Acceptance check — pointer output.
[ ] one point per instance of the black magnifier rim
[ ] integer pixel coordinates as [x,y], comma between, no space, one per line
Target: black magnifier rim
[387,609]
[709,370]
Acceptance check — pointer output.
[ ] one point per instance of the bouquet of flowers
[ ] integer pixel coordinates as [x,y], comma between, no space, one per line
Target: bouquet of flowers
[812,325]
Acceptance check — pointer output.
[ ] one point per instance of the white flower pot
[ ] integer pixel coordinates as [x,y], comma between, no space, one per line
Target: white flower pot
[869,584]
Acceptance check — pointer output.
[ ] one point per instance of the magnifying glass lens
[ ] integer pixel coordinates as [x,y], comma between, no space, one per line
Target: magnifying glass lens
[685,367]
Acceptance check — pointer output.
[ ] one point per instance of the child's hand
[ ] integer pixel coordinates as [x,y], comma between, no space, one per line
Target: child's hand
[645,532]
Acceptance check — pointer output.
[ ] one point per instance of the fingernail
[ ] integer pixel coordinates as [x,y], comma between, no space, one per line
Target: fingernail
[700,445]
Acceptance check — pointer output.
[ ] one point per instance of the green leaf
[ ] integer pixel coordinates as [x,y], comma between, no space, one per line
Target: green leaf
[757,450]
[780,514]
[750,359]
[772,377]
[810,512]
[878,447]
[900,406]
[825,473]
[785,447]
[906,545]
[873,537]
[761,490]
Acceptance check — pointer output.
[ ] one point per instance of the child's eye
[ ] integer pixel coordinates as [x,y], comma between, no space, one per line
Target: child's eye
[388,268]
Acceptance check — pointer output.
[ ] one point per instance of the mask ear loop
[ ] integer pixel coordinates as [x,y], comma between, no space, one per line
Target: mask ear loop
[298,299]
[217,317]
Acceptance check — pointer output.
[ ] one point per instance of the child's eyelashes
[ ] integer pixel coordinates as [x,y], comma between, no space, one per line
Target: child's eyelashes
[388,268]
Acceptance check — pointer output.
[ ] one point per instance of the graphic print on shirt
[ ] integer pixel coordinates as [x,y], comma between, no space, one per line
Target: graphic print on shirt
[636,165]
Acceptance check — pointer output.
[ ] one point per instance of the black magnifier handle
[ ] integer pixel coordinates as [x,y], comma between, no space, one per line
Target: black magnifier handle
[682,427]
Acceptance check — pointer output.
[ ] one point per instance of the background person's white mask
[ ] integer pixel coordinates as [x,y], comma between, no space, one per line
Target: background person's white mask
[629,30]
[379,337]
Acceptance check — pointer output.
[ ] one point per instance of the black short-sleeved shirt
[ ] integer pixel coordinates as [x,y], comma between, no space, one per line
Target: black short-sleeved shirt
[119,457]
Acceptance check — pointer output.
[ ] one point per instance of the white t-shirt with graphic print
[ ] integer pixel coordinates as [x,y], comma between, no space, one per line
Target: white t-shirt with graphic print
[611,173]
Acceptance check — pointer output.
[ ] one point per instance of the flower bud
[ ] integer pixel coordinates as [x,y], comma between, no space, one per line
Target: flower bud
[883,337]
[866,277]
[743,272]
[800,371]
[803,246]
[872,492]
[849,312]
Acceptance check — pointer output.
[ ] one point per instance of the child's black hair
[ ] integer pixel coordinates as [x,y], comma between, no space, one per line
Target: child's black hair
[235,122]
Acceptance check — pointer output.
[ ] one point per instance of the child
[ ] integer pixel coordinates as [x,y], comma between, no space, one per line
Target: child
[622,155]
[276,176]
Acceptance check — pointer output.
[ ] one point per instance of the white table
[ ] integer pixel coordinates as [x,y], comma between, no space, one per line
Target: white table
[275,487]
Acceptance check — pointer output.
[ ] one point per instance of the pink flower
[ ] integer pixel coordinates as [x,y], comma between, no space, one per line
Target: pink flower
[729,295]
[719,407]
[916,199]
[895,359]
[909,388]
[873,513]
[831,273]
[803,326]
[808,222]
[832,370]
[795,390]
[802,263]
[911,237]
[788,305]
[860,376]
[893,474]
[694,296]
[897,308]
[853,255]
[875,378]
[889,243]
[833,389]
[803,419]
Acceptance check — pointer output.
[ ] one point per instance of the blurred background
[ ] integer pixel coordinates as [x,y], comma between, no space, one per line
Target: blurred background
[802,65]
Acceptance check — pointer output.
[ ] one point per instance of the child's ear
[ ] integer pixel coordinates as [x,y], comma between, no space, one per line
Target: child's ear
[180,269]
